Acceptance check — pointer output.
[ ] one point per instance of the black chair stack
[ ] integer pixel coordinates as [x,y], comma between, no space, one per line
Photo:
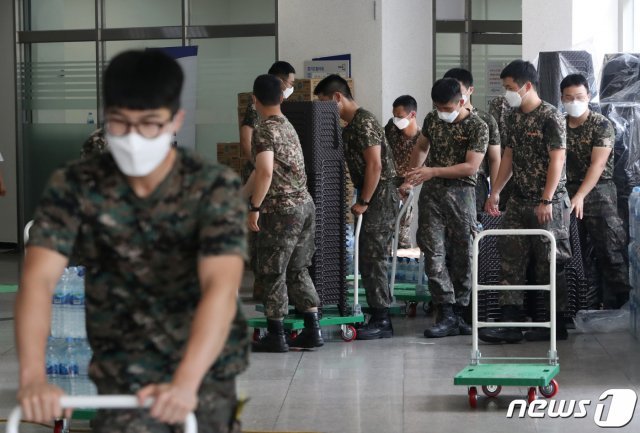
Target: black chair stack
[553,66]
[318,126]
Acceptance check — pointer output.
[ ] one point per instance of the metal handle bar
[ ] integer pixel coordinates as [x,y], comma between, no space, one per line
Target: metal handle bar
[98,402]
[394,261]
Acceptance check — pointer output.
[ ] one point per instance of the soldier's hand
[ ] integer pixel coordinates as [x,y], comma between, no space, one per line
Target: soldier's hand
[252,221]
[544,212]
[491,205]
[577,204]
[404,190]
[40,402]
[419,175]
[359,209]
[172,402]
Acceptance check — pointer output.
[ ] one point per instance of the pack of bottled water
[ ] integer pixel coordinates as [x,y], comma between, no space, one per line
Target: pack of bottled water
[68,353]
[634,259]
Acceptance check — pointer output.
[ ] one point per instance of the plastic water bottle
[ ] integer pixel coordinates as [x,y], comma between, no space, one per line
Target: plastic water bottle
[52,358]
[90,120]
[59,320]
[76,304]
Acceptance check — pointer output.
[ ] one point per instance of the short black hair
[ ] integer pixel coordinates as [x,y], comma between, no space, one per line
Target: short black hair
[574,80]
[328,86]
[143,80]
[446,90]
[408,102]
[267,89]
[281,69]
[460,74]
[521,71]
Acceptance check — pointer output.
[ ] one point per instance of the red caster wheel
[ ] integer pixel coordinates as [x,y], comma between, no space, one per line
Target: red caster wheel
[532,395]
[550,390]
[412,309]
[293,335]
[473,397]
[491,390]
[256,334]
[61,426]
[348,333]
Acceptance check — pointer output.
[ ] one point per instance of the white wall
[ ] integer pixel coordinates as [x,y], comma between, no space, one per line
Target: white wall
[599,36]
[311,28]
[406,54]
[9,203]
[547,26]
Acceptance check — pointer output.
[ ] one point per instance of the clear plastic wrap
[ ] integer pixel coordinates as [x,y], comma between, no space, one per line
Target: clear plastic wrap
[620,102]
[603,321]
[553,66]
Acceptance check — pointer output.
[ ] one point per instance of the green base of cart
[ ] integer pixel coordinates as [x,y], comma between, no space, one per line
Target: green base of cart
[492,377]
[409,293]
[294,323]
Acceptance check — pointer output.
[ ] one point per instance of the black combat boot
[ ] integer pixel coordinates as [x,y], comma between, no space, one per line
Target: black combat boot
[379,326]
[463,319]
[274,341]
[446,324]
[311,335]
[510,313]
[544,334]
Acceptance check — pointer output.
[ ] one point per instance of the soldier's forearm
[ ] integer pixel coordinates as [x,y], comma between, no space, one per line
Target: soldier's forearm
[371,180]
[554,174]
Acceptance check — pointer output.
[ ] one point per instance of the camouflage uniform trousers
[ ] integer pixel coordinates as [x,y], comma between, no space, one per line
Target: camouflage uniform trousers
[285,246]
[446,227]
[604,227]
[517,251]
[378,224]
[216,413]
[482,192]
[404,237]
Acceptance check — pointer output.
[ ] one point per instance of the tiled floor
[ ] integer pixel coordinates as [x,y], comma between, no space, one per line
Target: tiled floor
[404,384]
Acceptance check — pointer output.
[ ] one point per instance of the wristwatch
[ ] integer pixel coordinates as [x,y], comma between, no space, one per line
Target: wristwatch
[362,202]
[545,201]
[253,208]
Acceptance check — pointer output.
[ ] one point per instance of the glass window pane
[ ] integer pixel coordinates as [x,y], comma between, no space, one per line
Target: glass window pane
[217,12]
[488,61]
[450,9]
[226,67]
[57,89]
[496,10]
[62,14]
[142,13]
[448,52]
[115,47]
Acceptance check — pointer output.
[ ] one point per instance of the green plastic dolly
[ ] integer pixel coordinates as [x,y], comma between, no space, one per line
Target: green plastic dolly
[492,373]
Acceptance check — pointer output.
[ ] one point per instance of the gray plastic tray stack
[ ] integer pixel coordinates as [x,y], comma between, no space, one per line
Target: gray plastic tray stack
[318,126]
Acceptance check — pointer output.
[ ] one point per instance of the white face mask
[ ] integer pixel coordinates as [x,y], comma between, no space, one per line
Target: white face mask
[401,122]
[513,98]
[137,156]
[576,108]
[287,92]
[448,117]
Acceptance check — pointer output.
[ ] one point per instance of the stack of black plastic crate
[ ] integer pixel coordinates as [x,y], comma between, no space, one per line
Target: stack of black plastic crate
[318,126]
[536,303]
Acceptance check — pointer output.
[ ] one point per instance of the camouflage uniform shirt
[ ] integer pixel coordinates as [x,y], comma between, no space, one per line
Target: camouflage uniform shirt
[596,131]
[494,138]
[401,146]
[288,188]
[141,256]
[96,144]
[532,136]
[499,110]
[251,117]
[450,142]
[363,132]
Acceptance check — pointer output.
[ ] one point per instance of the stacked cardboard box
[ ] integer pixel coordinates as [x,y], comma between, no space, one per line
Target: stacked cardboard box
[230,154]
[244,99]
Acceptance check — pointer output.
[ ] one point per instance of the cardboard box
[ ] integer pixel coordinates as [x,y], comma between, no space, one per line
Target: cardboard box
[230,154]
[303,89]
[244,99]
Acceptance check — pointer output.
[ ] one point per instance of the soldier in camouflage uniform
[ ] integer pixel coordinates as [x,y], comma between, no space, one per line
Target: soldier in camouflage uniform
[535,155]
[282,214]
[454,141]
[94,145]
[590,139]
[286,73]
[402,132]
[163,241]
[488,170]
[372,171]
